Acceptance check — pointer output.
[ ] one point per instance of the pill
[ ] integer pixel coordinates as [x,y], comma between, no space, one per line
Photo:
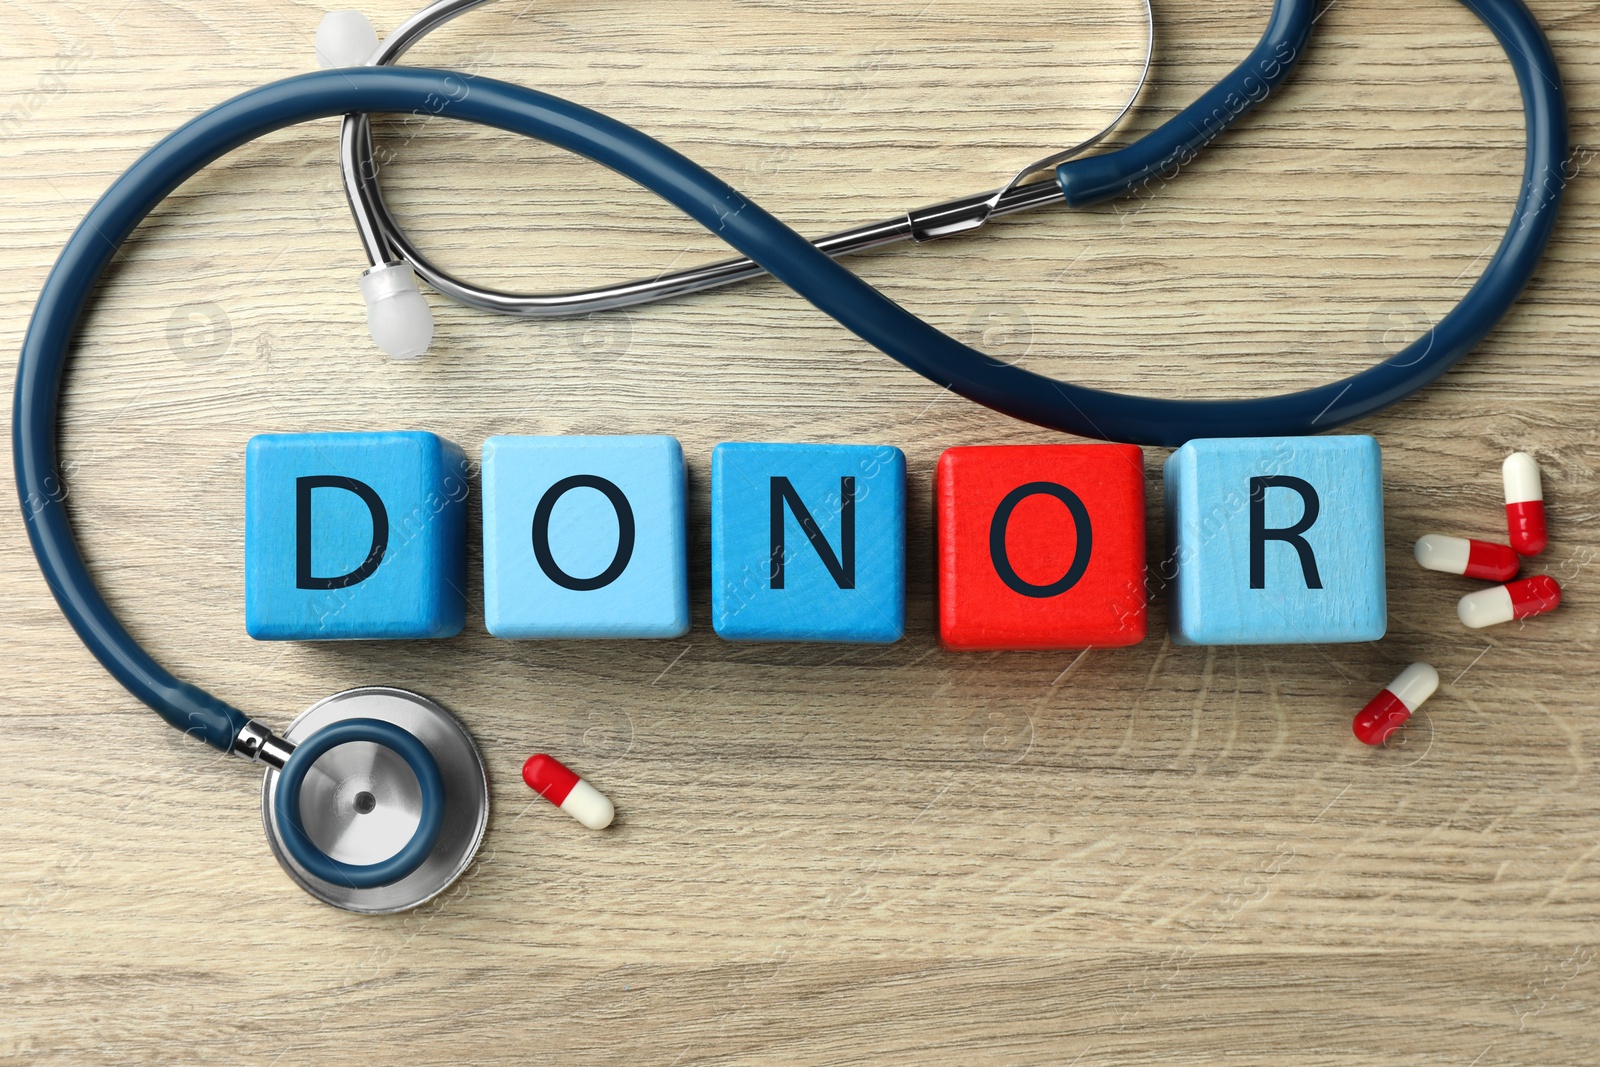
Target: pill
[1475,559]
[1519,600]
[556,782]
[1524,504]
[1398,702]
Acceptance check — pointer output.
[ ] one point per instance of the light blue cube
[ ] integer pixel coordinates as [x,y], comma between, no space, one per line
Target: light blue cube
[1276,541]
[584,537]
[808,542]
[354,535]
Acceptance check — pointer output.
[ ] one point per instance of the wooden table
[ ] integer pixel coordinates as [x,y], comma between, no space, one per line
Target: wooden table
[823,854]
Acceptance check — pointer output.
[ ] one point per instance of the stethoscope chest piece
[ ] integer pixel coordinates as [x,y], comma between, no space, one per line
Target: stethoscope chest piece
[382,777]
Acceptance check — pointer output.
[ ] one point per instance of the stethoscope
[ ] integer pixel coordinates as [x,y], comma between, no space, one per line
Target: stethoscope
[375,799]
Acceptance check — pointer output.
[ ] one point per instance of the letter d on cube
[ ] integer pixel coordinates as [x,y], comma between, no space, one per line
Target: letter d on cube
[354,535]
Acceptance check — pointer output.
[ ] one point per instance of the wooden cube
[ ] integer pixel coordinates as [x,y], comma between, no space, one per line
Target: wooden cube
[354,535]
[584,537]
[808,542]
[1041,546]
[1276,541]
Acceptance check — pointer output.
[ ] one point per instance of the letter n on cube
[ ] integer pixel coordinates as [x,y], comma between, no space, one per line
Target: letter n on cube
[808,542]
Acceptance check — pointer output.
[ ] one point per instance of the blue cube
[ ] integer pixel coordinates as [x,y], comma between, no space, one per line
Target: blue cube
[1276,541]
[808,542]
[584,537]
[354,535]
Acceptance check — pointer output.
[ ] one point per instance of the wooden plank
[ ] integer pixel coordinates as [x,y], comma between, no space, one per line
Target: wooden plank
[822,854]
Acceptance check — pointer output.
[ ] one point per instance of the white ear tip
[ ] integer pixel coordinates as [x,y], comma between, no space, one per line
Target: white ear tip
[397,314]
[345,39]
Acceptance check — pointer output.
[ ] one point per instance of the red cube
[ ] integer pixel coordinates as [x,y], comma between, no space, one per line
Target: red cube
[1041,547]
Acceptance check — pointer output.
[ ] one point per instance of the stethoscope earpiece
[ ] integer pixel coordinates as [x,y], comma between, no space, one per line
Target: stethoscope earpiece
[398,315]
[345,39]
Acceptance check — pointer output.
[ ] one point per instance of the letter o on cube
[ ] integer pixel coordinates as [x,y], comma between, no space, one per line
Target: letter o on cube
[584,537]
[1041,547]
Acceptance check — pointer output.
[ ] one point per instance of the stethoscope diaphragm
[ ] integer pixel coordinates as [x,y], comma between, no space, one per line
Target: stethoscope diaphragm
[361,803]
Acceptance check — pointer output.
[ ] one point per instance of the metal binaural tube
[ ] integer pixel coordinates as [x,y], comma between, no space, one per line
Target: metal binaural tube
[385,240]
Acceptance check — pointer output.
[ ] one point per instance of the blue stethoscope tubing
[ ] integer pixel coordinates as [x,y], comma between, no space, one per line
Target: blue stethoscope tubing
[787,256]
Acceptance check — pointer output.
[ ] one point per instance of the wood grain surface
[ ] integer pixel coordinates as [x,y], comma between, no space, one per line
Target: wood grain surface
[823,855]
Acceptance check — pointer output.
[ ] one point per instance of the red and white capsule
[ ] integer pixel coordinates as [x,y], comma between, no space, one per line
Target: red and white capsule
[1461,555]
[1519,600]
[1400,699]
[556,782]
[1524,504]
